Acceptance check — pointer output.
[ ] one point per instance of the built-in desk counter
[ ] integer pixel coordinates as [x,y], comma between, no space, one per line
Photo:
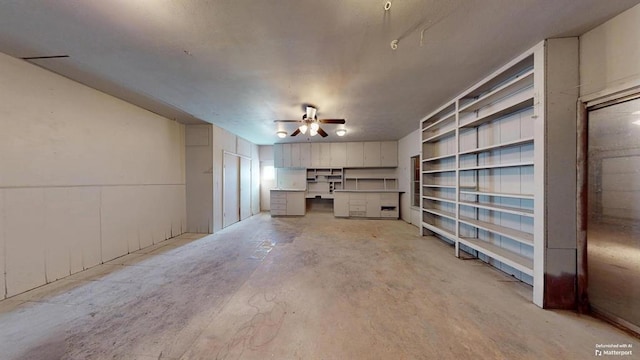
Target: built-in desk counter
[288,202]
[379,204]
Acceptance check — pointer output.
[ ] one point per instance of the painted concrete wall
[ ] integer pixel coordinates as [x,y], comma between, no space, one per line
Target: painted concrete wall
[408,146]
[85,177]
[610,55]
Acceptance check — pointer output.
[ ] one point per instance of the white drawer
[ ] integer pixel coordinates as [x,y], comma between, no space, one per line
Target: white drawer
[389,214]
[279,200]
[389,198]
[278,206]
[275,212]
[357,208]
[278,195]
[357,202]
[357,213]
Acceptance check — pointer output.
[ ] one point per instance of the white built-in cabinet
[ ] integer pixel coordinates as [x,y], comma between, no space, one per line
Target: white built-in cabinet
[370,154]
[323,182]
[355,154]
[305,155]
[367,204]
[287,203]
[338,155]
[487,164]
[320,154]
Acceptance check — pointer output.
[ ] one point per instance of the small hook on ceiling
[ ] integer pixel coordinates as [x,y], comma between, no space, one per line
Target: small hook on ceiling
[387,6]
[394,44]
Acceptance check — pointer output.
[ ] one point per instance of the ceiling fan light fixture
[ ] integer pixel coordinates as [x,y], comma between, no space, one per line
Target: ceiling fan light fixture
[341,132]
[315,126]
[281,134]
[311,112]
[313,132]
[303,128]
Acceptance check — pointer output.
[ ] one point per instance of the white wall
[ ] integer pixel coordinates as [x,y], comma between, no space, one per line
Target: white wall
[610,55]
[408,146]
[266,159]
[199,178]
[206,145]
[255,179]
[226,141]
[85,177]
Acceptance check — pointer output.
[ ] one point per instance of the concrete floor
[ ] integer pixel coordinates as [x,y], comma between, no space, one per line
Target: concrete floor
[295,288]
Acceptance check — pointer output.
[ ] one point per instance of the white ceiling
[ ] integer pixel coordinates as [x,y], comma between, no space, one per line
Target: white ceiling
[240,64]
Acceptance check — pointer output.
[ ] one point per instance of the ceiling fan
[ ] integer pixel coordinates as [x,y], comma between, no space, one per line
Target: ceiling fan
[311,122]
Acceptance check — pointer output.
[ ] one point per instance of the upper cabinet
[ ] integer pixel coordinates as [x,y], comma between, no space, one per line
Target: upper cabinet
[295,155]
[381,154]
[355,154]
[389,154]
[336,155]
[277,155]
[305,155]
[371,154]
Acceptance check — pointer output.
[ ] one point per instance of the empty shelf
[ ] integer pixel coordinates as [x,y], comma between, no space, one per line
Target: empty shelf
[501,208]
[498,146]
[442,213]
[517,235]
[489,193]
[516,261]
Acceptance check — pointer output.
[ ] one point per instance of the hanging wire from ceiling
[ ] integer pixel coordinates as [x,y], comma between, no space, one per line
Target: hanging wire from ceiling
[424,24]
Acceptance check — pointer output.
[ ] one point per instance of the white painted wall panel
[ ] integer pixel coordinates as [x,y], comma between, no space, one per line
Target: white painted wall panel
[266,152]
[84,211]
[24,239]
[50,133]
[146,216]
[610,54]
[179,207]
[243,147]
[70,154]
[117,231]
[2,244]
[408,146]
[255,179]
[57,235]
[199,179]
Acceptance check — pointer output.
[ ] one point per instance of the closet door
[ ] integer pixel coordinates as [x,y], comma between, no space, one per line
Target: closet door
[245,188]
[231,190]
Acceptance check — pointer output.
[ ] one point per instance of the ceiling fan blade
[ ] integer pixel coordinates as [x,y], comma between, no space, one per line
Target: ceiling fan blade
[286,120]
[322,133]
[332,121]
[295,132]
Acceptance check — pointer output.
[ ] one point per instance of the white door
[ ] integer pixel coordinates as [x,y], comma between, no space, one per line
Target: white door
[245,188]
[231,190]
